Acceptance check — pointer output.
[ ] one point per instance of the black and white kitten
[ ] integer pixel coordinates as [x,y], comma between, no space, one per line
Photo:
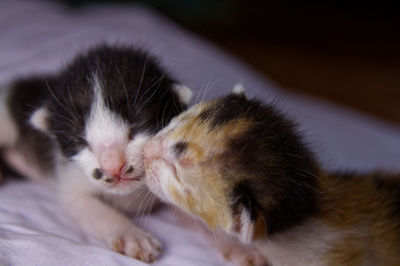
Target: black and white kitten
[86,126]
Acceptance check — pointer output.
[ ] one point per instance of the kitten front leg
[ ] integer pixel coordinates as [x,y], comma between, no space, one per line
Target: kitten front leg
[108,224]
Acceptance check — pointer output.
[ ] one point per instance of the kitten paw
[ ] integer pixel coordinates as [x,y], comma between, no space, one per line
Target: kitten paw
[240,256]
[141,246]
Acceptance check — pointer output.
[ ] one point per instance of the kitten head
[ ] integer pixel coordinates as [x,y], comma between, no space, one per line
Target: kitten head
[104,107]
[237,164]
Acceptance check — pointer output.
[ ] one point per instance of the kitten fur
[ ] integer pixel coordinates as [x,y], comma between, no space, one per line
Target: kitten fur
[82,131]
[242,167]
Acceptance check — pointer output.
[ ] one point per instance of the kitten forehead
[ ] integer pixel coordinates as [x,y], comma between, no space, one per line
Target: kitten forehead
[104,127]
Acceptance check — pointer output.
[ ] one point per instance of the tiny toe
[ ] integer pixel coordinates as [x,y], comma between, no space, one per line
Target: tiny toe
[147,256]
[118,245]
[140,256]
[133,249]
[151,258]
[157,244]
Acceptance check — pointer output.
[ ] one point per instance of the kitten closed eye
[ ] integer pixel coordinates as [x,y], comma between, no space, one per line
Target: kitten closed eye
[179,148]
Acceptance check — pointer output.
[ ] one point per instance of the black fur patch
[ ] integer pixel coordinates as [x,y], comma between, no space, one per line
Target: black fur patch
[227,109]
[277,169]
[25,97]
[392,187]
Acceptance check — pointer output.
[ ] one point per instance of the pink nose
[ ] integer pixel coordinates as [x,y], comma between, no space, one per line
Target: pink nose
[153,149]
[112,161]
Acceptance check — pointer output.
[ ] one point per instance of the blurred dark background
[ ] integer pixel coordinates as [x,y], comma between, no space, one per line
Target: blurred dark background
[347,52]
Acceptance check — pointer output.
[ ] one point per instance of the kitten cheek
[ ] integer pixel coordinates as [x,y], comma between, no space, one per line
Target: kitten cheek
[185,162]
[157,178]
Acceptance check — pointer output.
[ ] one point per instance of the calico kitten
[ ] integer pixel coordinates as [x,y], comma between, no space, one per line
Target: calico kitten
[241,166]
[83,130]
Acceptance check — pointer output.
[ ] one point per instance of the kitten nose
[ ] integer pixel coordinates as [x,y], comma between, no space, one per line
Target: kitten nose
[153,149]
[112,161]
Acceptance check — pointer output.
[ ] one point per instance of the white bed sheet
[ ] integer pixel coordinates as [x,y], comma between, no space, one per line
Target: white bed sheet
[40,36]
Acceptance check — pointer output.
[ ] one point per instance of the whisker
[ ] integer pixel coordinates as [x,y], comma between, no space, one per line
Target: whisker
[142,103]
[141,203]
[132,197]
[163,113]
[57,100]
[65,119]
[149,204]
[124,87]
[209,86]
[141,79]
[198,93]
[74,111]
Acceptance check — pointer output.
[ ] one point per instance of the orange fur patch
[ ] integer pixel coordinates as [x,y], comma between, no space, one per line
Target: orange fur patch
[371,233]
[205,208]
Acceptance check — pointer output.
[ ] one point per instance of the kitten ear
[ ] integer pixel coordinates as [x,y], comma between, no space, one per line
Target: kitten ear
[184,93]
[39,119]
[238,89]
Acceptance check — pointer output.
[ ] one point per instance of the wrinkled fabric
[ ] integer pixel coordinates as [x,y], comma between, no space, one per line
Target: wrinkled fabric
[41,37]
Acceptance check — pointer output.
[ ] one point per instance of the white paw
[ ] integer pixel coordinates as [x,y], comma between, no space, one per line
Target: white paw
[138,245]
[243,256]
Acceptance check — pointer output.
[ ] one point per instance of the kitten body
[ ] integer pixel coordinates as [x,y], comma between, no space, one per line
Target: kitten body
[82,132]
[242,167]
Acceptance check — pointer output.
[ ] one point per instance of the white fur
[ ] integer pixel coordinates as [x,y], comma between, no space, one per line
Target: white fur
[80,198]
[160,186]
[99,219]
[79,191]
[184,93]
[238,89]
[134,151]
[88,162]
[8,129]
[104,128]
[78,188]
[302,245]
[235,251]
[107,135]
[39,119]
[246,226]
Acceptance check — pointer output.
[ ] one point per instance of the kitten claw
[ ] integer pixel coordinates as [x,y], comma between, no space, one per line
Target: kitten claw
[141,246]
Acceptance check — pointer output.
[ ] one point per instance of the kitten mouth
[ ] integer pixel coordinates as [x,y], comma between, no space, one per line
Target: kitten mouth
[119,179]
[136,178]
[128,179]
